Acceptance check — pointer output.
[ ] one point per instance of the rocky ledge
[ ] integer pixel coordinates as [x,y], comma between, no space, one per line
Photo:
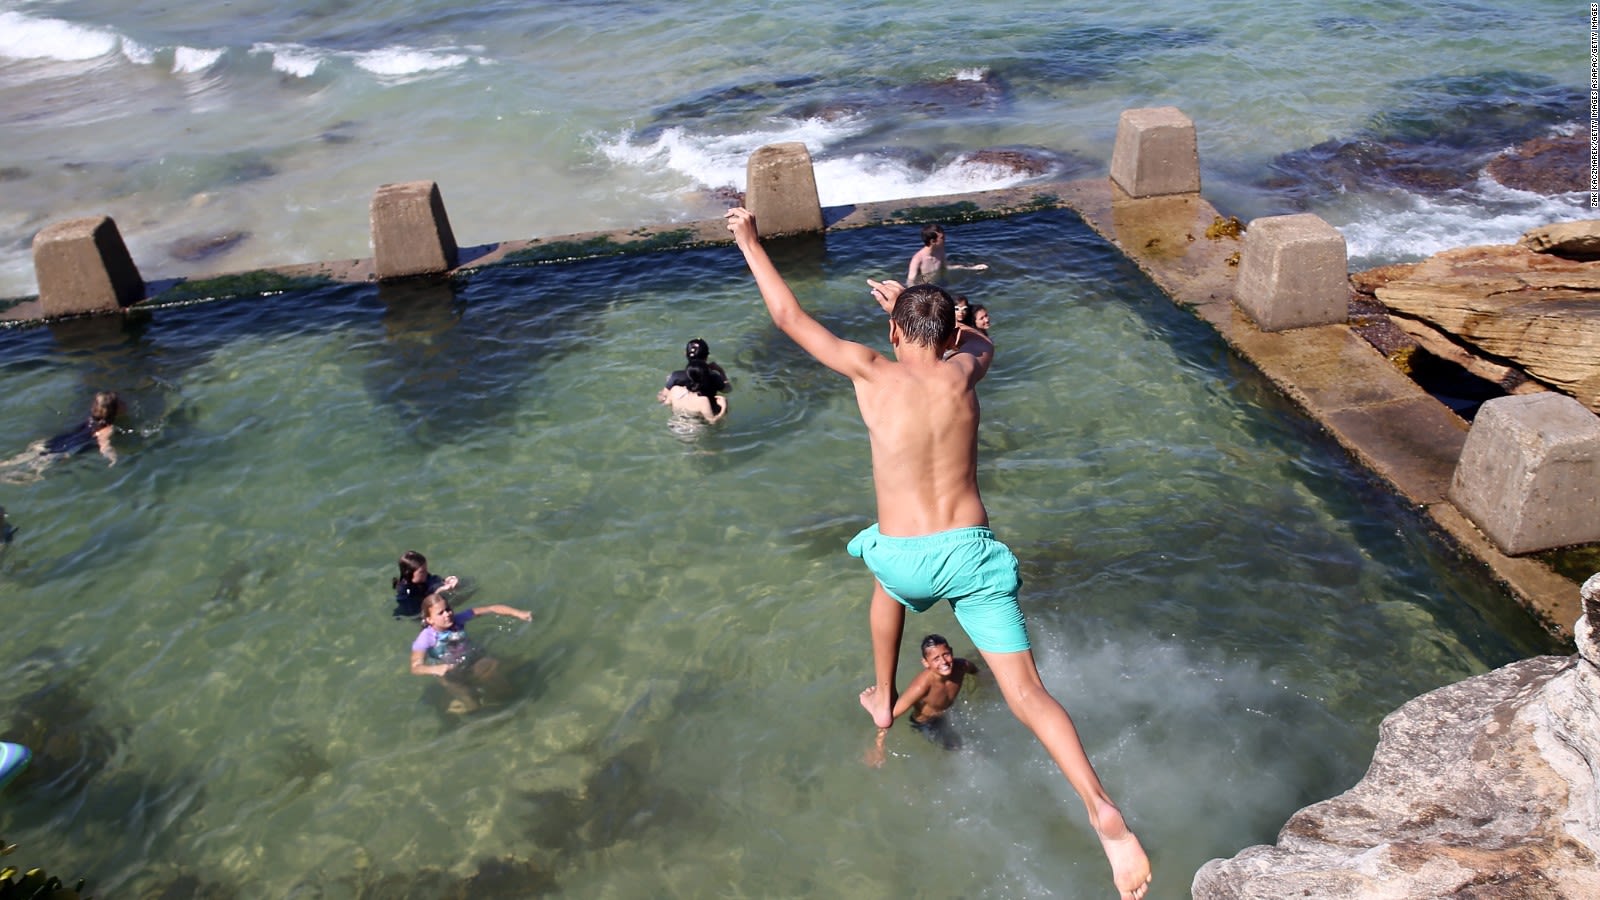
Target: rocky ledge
[1482,789]
[1525,316]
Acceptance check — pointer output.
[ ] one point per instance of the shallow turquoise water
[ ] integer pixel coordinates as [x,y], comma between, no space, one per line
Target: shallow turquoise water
[1225,602]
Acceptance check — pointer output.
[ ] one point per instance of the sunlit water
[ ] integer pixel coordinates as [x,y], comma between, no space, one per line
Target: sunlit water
[1225,602]
[259,130]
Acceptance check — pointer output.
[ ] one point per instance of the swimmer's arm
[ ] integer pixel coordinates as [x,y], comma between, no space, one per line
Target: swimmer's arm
[500,609]
[717,416]
[974,345]
[969,267]
[103,438]
[848,358]
[915,693]
[418,667]
[664,396]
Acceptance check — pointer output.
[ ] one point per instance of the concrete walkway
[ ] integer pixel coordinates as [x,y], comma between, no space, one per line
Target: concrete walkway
[1376,412]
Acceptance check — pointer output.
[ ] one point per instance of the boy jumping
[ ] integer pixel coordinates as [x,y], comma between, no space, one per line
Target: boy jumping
[932,540]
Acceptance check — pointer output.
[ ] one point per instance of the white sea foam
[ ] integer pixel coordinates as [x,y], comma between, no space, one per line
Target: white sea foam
[137,53]
[1409,227]
[400,62]
[190,59]
[291,59]
[719,160]
[27,37]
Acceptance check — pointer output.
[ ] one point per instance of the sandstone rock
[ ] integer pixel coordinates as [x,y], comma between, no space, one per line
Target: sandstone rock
[1571,240]
[1485,788]
[1546,165]
[1536,311]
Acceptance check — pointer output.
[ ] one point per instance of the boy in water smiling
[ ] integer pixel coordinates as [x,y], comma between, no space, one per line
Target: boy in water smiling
[929,696]
[932,541]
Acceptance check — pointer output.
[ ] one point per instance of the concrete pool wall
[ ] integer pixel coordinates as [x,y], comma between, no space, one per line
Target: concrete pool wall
[1528,477]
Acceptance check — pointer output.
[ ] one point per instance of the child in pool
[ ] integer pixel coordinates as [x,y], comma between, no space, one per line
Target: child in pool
[443,650]
[696,394]
[928,265]
[929,696]
[416,582]
[94,432]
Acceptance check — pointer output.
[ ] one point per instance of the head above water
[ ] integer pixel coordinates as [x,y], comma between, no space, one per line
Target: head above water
[697,349]
[931,233]
[105,407]
[411,562]
[925,315]
[932,642]
[432,605]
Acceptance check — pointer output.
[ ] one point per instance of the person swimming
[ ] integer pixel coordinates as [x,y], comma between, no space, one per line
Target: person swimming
[415,583]
[94,432]
[694,389]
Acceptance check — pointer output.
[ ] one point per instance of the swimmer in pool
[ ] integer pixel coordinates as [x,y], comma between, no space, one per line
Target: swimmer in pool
[443,650]
[696,394]
[928,265]
[929,696]
[93,433]
[416,582]
[932,540]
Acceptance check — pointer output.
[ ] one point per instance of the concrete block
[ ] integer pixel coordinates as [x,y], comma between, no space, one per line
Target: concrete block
[410,232]
[1155,153]
[1293,272]
[1529,473]
[781,190]
[83,266]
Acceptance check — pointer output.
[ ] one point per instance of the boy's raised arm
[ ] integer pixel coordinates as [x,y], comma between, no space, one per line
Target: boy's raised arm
[848,358]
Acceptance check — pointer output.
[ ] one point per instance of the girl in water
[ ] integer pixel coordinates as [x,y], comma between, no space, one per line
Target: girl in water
[443,650]
[415,583]
[696,394]
[93,433]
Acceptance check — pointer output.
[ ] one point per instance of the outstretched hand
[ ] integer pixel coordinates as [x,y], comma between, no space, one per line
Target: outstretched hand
[742,222]
[886,292]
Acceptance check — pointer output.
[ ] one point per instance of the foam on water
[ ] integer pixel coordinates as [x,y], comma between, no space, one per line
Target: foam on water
[29,37]
[1403,227]
[191,59]
[718,160]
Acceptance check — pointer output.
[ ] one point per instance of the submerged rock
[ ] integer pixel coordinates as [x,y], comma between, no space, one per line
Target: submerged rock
[202,247]
[1546,165]
[1483,789]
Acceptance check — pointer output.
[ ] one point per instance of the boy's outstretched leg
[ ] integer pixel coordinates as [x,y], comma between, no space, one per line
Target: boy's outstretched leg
[888,621]
[1025,694]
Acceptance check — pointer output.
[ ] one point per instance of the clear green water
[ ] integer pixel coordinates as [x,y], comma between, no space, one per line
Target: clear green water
[1224,601]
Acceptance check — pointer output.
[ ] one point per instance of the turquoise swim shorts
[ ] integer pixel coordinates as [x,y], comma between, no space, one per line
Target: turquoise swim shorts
[966,566]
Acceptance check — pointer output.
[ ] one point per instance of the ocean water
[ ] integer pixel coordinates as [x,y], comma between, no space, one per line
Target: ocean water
[203,660]
[227,137]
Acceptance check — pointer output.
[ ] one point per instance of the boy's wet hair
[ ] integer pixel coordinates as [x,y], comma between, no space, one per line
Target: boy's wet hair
[925,314]
[933,640]
[930,233]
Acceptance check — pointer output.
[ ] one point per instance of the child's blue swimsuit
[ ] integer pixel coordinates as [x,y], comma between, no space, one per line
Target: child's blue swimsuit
[966,566]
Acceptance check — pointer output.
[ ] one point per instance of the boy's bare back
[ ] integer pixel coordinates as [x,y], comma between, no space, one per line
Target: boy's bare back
[920,408]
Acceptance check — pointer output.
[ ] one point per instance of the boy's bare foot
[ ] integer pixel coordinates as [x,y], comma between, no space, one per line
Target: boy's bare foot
[879,706]
[1130,867]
